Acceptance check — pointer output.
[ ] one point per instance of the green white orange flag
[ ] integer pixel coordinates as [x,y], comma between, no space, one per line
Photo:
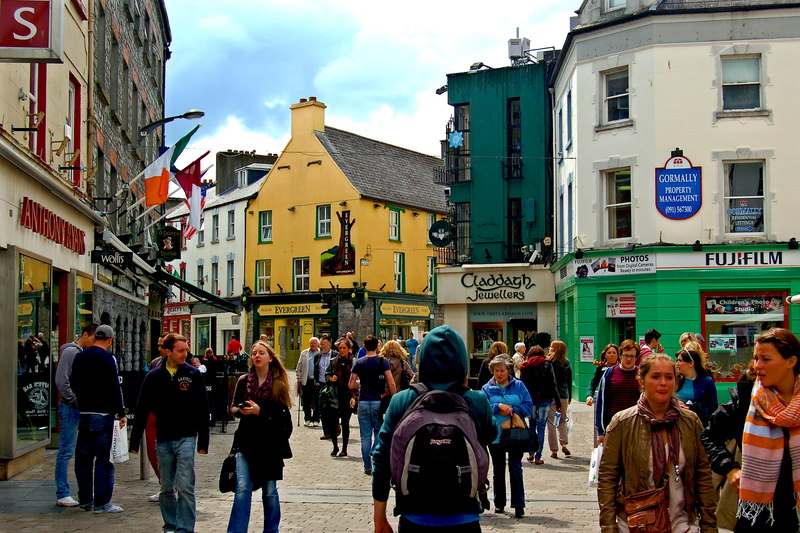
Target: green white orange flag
[158,174]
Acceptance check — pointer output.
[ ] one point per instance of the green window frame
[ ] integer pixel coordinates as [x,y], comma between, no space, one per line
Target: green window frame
[323,221]
[265,227]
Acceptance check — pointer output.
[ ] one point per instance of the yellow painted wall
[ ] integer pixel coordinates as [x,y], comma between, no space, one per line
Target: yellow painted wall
[304,187]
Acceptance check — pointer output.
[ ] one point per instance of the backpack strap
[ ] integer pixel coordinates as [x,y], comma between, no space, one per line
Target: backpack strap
[419,388]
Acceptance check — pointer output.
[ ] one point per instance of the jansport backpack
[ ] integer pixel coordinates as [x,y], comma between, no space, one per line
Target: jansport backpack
[438,465]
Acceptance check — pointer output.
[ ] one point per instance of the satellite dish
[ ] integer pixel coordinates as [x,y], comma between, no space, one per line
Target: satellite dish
[440,233]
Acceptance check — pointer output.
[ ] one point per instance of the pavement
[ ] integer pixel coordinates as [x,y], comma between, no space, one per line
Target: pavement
[319,493]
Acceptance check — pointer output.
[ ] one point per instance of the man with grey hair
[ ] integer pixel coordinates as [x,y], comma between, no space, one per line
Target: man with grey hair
[520,350]
[306,387]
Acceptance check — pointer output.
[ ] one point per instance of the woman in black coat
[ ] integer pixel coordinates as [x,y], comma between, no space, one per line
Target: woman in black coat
[262,401]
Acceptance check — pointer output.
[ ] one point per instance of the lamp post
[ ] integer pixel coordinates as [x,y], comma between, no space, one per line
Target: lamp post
[192,114]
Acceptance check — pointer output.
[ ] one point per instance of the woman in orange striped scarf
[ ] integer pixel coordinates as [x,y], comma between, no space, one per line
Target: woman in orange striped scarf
[769,481]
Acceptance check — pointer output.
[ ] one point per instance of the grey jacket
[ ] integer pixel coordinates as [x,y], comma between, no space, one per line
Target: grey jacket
[66,356]
[302,365]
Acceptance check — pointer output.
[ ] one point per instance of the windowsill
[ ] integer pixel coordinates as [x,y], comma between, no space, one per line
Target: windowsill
[214,241]
[743,113]
[321,237]
[614,125]
[230,238]
[264,242]
[200,244]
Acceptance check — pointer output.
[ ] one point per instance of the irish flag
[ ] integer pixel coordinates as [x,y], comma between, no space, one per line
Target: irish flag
[158,173]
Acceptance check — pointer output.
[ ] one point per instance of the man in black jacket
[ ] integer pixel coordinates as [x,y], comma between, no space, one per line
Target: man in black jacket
[175,392]
[95,382]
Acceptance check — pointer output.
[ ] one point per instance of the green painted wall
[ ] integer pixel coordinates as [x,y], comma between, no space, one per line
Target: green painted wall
[487,92]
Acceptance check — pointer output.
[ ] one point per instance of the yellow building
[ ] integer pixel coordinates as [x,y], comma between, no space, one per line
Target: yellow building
[337,239]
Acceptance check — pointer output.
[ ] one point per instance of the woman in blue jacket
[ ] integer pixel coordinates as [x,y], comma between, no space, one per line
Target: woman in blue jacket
[695,386]
[507,396]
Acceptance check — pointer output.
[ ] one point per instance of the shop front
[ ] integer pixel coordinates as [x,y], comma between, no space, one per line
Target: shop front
[178,319]
[730,295]
[403,317]
[509,303]
[289,325]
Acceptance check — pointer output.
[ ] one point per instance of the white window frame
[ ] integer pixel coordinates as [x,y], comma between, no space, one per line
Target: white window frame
[201,233]
[757,82]
[614,5]
[263,276]
[301,281]
[231,224]
[431,222]
[431,275]
[231,271]
[727,197]
[215,278]
[200,276]
[265,226]
[399,272]
[323,221]
[214,228]
[609,207]
[607,99]
[394,225]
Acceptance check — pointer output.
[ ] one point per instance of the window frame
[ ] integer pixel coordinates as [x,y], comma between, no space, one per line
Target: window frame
[608,206]
[399,271]
[321,221]
[394,236]
[201,233]
[432,275]
[302,276]
[215,228]
[607,5]
[214,279]
[264,276]
[231,224]
[463,230]
[200,276]
[230,277]
[759,83]
[606,120]
[262,226]
[727,168]
[431,221]
[462,155]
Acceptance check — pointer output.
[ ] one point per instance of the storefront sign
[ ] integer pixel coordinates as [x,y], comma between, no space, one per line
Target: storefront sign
[501,313]
[291,309]
[496,286]
[440,234]
[115,258]
[176,310]
[340,259]
[620,305]
[587,349]
[168,242]
[591,267]
[679,192]
[388,308]
[24,309]
[743,305]
[41,220]
[31,31]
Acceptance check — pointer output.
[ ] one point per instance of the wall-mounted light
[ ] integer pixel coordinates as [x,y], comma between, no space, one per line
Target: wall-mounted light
[441,90]
[317,162]
[792,244]
[284,167]
[579,253]
[250,212]
[415,213]
[291,208]
[376,206]
[631,246]
[382,286]
[343,203]
[697,246]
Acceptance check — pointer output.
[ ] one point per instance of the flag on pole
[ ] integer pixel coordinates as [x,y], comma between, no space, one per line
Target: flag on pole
[158,173]
[189,180]
[188,230]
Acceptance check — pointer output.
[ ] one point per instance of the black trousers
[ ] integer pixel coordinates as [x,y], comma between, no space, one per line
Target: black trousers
[309,392]
[407,526]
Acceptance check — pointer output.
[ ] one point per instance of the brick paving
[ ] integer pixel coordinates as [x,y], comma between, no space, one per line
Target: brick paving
[318,494]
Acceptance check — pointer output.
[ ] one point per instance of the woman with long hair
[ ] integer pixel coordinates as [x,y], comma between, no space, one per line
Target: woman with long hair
[536,373]
[695,387]
[608,357]
[563,372]
[262,401]
[656,445]
[484,374]
[401,370]
[338,373]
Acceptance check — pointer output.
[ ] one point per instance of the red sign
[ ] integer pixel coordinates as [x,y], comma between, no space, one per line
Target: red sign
[44,222]
[621,305]
[25,23]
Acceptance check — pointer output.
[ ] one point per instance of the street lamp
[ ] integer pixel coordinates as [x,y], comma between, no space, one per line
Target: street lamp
[191,114]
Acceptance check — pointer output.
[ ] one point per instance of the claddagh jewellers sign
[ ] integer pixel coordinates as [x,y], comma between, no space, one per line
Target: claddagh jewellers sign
[496,286]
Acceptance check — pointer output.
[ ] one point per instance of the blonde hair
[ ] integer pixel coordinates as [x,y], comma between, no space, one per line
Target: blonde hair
[281,393]
[393,349]
[497,348]
[687,337]
[695,347]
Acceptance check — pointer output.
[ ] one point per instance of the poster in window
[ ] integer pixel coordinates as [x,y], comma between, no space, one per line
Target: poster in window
[587,349]
[722,344]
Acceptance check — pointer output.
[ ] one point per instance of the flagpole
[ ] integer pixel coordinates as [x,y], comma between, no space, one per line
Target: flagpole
[145,213]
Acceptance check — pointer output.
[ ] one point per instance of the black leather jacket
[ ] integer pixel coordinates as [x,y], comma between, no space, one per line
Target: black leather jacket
[727,423]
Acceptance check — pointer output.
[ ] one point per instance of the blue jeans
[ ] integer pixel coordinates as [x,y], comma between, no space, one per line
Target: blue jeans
[538,421]
[176,462]
[368,426]
[93,467]
[498,453]
[240,513]
[70,417]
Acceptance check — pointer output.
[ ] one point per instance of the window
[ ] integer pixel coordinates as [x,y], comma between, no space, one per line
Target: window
[231,224]
[514,140]
[201,278]
[463,246]
[214,228]
[323,221]
[301,274]
[744,197]
[562,236]
[569,118]
[201,234]
[560,132]
[741,83]
[214,278]
[611,5]
[399,272]
[616,95]
[618,203]
[570,215]
[431,222]
[462,163]
[514,227]
[265,223]
[182,273]
[263,276]
[229,290]
[431,275]
[74,123]
[394,224]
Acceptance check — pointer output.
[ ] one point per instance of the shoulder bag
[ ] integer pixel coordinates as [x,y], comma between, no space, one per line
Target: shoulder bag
[648,511]
[227,476]
[517,436]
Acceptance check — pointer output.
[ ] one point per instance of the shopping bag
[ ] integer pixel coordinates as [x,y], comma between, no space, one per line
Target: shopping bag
[119,444]
[570,420]
[594,465]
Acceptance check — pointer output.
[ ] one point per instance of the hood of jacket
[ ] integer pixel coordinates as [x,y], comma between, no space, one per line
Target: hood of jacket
[443,360]
[536,360]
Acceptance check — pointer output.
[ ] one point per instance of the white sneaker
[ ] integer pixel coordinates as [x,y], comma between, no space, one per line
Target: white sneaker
[68,501]
[109,509]
[307,423]
[153,497]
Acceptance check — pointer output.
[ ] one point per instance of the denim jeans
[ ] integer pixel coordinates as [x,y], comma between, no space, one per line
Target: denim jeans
[538,422]
[70,417]
[93,467]
[498,453]
[176,462]
[240,513]
[368,426]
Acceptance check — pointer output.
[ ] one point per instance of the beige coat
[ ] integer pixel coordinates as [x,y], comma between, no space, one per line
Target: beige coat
[625,468]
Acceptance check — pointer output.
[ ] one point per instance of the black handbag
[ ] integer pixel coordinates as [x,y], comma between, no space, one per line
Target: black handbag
[227,476]
[520,439]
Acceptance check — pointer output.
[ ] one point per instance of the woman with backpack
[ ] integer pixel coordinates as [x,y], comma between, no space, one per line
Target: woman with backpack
[563,372]
[401,370]
[536,373]
[510,401]
[343,398]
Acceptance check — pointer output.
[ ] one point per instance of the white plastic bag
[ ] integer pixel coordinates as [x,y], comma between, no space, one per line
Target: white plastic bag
[570,420]
[594,465]
[119,444]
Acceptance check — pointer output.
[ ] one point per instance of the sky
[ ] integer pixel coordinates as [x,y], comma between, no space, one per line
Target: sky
[375,65]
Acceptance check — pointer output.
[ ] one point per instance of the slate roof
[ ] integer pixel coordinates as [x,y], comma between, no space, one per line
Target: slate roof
[213,200]
[385,172]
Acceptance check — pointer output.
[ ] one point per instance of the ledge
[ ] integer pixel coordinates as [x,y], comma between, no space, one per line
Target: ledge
[743,113]
[614,125]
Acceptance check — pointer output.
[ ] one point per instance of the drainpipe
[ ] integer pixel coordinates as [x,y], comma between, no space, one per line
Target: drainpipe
[90,122]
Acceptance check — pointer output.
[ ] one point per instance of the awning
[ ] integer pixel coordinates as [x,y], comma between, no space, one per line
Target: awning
[202,295]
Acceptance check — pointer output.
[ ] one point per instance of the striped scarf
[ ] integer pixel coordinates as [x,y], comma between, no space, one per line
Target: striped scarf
[763,443]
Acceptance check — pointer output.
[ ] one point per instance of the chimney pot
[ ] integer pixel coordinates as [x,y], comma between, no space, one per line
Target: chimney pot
[303,100]
[312,98]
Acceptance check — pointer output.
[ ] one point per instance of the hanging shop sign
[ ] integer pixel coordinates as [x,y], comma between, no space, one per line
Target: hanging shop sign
[341,259]
[621,305]
[31,31]
[396,309]
[440,234]
[41,220]
[114,258]
[168,242]
[679,193]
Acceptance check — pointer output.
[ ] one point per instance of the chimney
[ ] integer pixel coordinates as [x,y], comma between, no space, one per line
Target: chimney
[308,116]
